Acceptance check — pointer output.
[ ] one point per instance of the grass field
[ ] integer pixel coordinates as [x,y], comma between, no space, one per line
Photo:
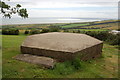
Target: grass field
[74,25]
[89,29]
[112,26]
[104,67]
[105,21]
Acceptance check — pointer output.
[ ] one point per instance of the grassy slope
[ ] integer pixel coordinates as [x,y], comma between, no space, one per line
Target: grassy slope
[74,25]
[100,68]
[105,21]
[112,26]
[88,29]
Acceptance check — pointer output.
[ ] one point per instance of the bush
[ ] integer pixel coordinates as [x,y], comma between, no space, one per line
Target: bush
[63,68]
[10,31]
[114,39]
[78,31]
[5,31]
[54,28]
[74,32]
[76,63]
[45,30]
[101,35]
[69,67]
[35,31]
[66,30]
[105,36]
[26,32]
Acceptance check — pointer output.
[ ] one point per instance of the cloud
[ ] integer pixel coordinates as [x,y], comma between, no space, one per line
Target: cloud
[70,13]
[65,3]
[65,0]
[69,8]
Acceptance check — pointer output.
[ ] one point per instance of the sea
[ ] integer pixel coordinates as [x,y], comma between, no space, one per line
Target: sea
[47,20]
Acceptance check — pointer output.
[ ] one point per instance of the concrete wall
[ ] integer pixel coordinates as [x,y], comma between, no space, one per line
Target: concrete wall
[86,54]
[91,52]
[61,56]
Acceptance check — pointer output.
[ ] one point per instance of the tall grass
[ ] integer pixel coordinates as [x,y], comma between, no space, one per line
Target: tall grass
[68,67]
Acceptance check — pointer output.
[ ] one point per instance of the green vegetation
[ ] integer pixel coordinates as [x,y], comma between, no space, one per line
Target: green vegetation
[10,31]
[89,29]
[35,31]
[54,28]
[103,35]
[102,25]
[74,25]
[104,67]
[7,10]
[45,30]
[26,32]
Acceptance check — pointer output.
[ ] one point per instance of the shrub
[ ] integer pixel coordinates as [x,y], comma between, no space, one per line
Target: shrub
[105,36]
[54,28]
[45,30]
[63,68]
[26,32]
[78,31]
[66,30]
[114,39]
[69,67]
[10,31]
[35,31]
[5,31]
[101,35]
[76,63]
[73,31]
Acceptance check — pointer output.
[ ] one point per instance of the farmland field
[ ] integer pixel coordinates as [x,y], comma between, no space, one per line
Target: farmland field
[107,25]
[89,29]
[74,25]
[104,67]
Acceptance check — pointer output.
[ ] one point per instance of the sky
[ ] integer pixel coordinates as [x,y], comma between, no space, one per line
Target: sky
[69,8]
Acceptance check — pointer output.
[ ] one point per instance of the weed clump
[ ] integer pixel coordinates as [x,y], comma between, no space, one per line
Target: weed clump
[10,31]
[26,32]
[68,67]
[35,31]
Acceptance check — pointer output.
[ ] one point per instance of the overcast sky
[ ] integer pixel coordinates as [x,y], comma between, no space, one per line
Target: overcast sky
[70,8]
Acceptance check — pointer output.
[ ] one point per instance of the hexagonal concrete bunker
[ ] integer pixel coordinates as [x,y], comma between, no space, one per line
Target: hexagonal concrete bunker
[63,46]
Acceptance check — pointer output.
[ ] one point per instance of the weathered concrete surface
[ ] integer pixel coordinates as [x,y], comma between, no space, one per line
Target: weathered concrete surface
[39,60]
[62,46]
